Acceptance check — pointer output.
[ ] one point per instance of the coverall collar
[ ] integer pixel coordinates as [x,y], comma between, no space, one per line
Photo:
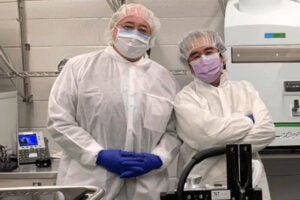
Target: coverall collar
[144,62]
[201,84]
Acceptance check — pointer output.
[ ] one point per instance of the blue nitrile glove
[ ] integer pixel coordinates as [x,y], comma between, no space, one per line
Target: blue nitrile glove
[136,168]
[112,159]
[251,117]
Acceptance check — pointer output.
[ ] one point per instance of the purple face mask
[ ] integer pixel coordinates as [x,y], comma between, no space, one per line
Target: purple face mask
[207,68]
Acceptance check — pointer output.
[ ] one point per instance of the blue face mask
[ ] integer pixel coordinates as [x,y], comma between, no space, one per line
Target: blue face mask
[131,43]
[133,33]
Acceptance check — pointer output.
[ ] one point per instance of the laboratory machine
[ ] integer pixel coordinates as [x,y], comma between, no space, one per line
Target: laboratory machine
[239,177]
[263,47]
[8,129]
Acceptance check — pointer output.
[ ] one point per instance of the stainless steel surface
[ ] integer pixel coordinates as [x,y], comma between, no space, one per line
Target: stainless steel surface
[179,71]
[29,74]
[241,54]
[97,195]
[30,171]
[52,193]
[25,51]
[39,74]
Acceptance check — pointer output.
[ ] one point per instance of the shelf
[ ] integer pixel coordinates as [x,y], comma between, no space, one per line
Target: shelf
[29,74]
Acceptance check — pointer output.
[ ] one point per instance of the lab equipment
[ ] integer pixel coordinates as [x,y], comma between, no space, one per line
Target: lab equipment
[7,163]
[52,193]
[33,148]
[139,167]
[239,177]
[8,129]
[263,45]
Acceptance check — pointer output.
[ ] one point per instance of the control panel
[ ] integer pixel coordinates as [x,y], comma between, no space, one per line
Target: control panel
[32,146]
[292,86]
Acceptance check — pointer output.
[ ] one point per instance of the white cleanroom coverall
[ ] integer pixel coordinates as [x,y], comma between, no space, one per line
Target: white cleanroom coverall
[102,101]
[209,116]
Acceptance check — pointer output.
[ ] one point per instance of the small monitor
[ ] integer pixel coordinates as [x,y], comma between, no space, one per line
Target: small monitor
[28,140]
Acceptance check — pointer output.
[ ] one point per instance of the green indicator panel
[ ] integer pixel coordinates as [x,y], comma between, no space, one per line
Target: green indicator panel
[287,125]
[279,35]
[275,35]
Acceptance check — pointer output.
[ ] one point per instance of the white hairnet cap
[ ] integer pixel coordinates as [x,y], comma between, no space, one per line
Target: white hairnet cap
[192,41]
[135,10]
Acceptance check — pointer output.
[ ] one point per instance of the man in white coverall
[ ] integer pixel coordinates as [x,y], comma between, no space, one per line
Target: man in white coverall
[111,112]
[213,111]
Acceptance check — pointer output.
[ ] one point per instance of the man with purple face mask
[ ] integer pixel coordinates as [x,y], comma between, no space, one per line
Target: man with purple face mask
[213,111]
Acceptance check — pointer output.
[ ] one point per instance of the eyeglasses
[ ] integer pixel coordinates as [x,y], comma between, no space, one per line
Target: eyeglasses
[197,53]
[139,27]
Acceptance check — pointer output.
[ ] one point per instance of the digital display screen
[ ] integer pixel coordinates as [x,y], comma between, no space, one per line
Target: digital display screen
[28,140]
[274,35]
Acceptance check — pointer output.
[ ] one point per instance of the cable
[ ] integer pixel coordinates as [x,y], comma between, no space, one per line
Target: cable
[223,4]
[111,5]
[115,4]
[195,160]
[2,50]
[7,62]
[9,65]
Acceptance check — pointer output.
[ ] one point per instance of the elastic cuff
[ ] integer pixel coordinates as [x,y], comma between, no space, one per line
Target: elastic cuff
[249,121]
